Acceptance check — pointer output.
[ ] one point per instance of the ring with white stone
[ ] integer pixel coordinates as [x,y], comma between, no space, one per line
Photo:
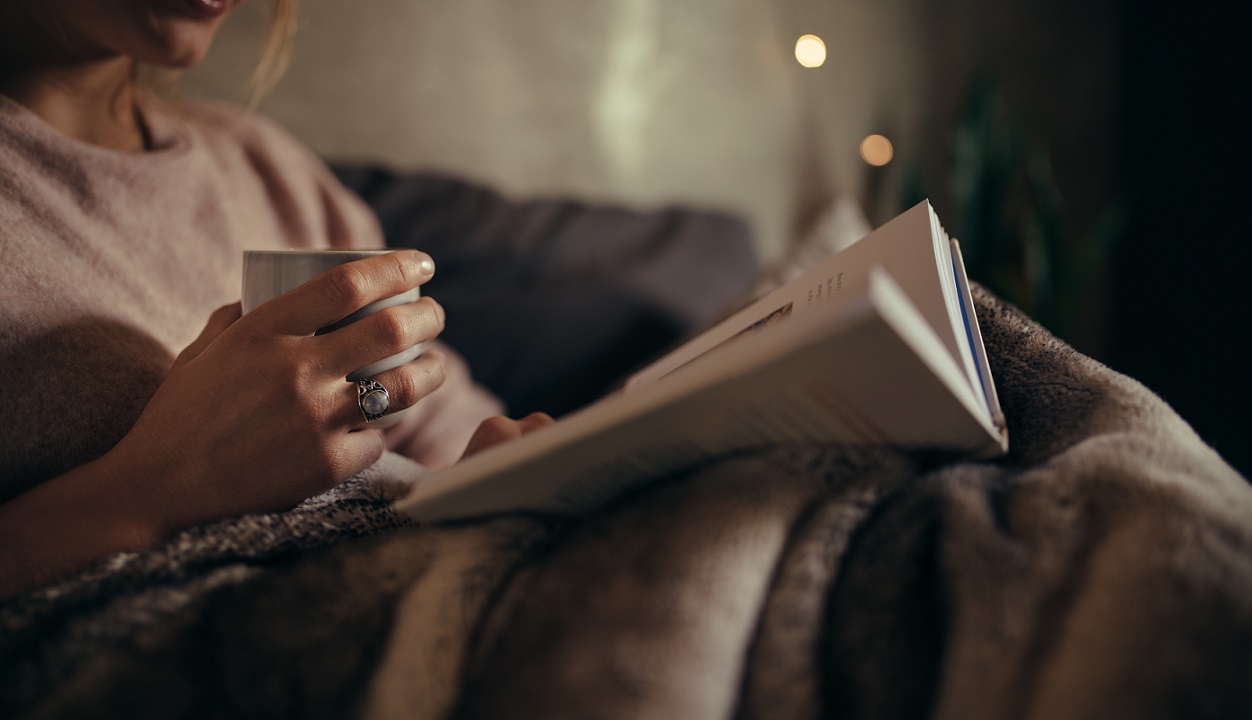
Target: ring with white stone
[372,398]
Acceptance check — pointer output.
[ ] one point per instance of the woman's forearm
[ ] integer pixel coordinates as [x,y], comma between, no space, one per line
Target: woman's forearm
[70,521]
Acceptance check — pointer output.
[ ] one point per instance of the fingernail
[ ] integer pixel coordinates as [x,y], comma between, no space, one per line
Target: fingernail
[426,266]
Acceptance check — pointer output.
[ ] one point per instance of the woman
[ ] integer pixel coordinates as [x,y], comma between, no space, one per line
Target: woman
[123,219]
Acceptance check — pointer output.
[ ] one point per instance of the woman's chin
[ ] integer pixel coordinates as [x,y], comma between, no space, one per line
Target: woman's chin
[179,46]
[173,59]
[181,37]
[185,60]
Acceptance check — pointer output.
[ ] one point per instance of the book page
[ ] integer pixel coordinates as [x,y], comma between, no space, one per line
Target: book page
[912,248]
[954,296]
[974,334]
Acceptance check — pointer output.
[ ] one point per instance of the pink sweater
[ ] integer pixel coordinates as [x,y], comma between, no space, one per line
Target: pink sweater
[112,263]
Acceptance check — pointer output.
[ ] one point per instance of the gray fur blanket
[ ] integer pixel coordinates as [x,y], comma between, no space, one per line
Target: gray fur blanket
[1102,569]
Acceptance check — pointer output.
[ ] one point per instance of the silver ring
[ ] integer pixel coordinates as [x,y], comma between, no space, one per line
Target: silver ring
[372,398]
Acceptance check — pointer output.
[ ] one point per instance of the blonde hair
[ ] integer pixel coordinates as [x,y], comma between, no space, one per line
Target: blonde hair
[276,55]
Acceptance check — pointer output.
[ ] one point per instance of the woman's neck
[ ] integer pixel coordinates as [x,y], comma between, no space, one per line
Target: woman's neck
[92,102]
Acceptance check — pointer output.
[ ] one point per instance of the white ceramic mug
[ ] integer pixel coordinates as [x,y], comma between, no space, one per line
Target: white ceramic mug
[270,273]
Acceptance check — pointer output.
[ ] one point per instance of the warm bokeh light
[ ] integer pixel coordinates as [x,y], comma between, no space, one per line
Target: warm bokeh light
[876,150]
[810,51]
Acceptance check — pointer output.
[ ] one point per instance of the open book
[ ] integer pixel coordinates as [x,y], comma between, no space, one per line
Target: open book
[877,345]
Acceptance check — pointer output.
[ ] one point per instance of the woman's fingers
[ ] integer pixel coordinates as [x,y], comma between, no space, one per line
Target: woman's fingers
[496,430]
[343,290]
[492,431]
[534,421]
[380,335]
[405,386]
[357,451]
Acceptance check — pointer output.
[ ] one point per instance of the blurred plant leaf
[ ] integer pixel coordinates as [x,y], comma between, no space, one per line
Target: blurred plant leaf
[1010,217]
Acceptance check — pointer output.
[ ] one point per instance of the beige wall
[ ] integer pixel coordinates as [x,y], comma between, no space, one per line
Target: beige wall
[636,101]
[656,101]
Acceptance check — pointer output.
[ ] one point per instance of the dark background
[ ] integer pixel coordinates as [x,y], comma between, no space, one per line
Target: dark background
[1139,106]
[1180,286]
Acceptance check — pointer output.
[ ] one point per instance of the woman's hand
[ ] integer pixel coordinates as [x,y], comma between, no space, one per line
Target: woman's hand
[496,430]
[256,413]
